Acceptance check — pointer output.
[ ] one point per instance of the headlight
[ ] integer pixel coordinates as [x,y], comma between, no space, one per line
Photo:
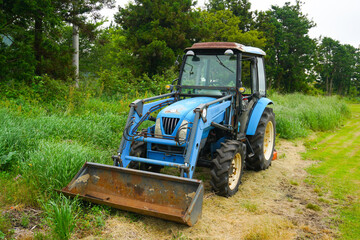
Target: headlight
[183,130]
[203,114]
[157,128]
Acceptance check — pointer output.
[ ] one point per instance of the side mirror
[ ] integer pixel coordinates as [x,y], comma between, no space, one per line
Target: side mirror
[176,63]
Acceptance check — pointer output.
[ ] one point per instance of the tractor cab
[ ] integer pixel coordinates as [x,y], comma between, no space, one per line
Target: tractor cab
[222,69]
[217,69]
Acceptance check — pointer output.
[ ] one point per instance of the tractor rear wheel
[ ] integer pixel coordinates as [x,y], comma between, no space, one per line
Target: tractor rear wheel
[228,168]
[138,149]
[263,142]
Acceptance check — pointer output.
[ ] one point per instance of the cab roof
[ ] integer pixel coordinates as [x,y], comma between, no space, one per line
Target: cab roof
[227,45]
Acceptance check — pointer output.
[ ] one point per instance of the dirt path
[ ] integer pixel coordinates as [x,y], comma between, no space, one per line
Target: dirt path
[272,204]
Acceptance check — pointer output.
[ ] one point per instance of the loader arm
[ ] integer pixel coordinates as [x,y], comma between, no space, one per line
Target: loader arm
[139,112]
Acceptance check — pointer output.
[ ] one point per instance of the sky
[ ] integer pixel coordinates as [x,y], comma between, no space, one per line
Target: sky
[339,20]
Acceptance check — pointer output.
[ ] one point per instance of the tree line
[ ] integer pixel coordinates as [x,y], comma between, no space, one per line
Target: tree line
[147,36]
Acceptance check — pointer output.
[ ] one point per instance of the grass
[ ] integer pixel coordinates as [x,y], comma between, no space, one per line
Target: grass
[270,229]
[297,114]
[5,226]
[313,206]
[250,206]
[43,145]
[60,215]
[338,171]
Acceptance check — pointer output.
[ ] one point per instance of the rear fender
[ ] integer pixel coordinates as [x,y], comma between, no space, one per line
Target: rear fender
[256,115]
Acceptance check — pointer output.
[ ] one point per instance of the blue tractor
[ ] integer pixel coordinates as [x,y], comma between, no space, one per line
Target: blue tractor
[215,115]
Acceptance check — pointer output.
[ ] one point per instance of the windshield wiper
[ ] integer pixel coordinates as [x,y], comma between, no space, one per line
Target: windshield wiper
[222,64]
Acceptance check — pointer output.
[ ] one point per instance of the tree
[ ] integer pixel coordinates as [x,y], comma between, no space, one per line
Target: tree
[156,31]
[338,66]
[222,25]
[290,49]
[74,12]
[38,29]
[327,51]
[240,9]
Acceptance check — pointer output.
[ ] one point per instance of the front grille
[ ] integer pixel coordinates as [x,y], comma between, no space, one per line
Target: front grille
[167,148]
[169,124]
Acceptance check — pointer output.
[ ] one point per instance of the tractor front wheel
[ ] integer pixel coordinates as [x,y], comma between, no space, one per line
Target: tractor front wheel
[228,168]
[263,142]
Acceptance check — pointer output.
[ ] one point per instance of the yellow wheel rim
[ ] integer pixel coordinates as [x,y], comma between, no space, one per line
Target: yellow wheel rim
[235,171]
[268,140]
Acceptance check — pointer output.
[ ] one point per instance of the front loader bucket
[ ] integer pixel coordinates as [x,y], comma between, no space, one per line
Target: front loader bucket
[169,197]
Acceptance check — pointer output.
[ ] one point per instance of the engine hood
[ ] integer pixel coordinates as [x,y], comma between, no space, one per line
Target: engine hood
[183,109]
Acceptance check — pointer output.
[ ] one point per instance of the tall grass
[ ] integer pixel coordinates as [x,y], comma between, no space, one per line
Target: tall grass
[61,216]
[47,144]
[54,164]
[297,114]
[47,149]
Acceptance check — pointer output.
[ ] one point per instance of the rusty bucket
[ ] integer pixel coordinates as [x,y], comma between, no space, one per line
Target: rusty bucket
[169,197]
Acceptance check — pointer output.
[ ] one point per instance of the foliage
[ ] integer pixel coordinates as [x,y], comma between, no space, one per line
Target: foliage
[289,48]
[337,67]
[5,226]
[240,9]
[61,216]
[38,39]
[222,25]
[156,31]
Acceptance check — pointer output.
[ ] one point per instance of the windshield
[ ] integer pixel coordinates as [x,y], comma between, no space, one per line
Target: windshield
[209,70]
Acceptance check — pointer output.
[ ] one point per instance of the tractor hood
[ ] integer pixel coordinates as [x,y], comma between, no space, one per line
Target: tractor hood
[183,109]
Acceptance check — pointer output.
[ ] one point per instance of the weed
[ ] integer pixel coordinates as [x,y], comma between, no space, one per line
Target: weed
[313,207]
[179,236]
[299,211]
[324,200]
[25,221]
[61,216]
[250,206]
[319,191]
[133,217]
[5,226]
[292,182]
[40,236]
[92,219]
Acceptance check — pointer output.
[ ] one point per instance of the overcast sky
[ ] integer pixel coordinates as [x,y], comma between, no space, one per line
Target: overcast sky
[339,20]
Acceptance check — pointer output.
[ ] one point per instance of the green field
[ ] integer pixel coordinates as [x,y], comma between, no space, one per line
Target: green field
[43,145]
[337,174]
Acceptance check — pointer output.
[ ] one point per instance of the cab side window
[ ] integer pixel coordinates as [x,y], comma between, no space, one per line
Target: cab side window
[261,76]
[247,74]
